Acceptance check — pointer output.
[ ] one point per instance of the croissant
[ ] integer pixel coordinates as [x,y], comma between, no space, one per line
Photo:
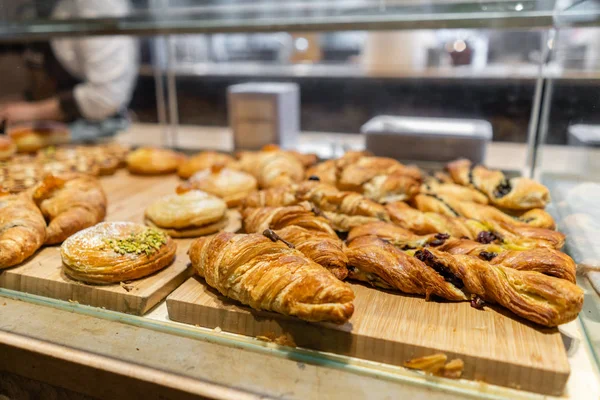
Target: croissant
[272,167]
[309,233]
[271,276]
[381,264]
[544,260]
[542,299]
[273,197]
[512,194]
[22,229]
[519,237]
[462,193]
[71,202]
[454,208]
[325,172]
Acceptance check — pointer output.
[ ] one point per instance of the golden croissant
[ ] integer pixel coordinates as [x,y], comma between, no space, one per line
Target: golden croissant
[71,202]
[539,298]
[22,228]
[269,275]
[512,194]
[272,166]
[462,193]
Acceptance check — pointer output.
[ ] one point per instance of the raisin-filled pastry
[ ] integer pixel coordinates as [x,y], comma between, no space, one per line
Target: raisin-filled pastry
[22,229]
[511,236]
[190,214]
[462,193]
[512,194]
[111,252]
[544,260]
[230,185]
[455,208]
[272,166]
[381,264]
[269,275]
[325,172]
[70,202]
[202,161]
[305,230]
[542,299]
[153,161]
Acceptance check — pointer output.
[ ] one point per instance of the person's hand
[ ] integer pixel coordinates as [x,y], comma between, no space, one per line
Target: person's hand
[19,112]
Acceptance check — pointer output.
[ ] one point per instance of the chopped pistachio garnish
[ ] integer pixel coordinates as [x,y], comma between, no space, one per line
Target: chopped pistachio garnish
[148,242]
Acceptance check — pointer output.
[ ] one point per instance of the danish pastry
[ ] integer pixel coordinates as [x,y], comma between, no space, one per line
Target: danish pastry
[70,202]
[230,185]
[269,275]
[116,251]
[272,166]
[204,160]
[22,229]
[190,214]
[153,161]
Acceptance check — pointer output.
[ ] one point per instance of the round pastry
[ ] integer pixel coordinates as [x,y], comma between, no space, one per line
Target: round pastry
[116,251]
[202,161]
[230,185]
[32,137]
[190,214]
[153,161]
[7,148]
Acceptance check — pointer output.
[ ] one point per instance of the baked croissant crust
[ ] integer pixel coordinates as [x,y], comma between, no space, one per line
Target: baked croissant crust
[22,229]
[454,208]
[544,260]
[271,276]
[230,185]
[116,251]
[189,214]
[324,172]
[153,161]
[462,193]
[202,161]
[517,237]
[70,202]
[381,264]
[273,197]
[308,232]
[512,194]
[272,166]
[542,299]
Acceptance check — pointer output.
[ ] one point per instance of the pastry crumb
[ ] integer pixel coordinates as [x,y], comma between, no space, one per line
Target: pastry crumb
[73,301]
[128,288]
[436,364]
[285,339]
[218,329]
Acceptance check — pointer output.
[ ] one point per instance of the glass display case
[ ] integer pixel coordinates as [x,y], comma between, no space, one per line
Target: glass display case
[511,84]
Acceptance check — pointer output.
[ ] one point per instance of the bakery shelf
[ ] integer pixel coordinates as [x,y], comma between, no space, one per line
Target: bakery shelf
[275,16]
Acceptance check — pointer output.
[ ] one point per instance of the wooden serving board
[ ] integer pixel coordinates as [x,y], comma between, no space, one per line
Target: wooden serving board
[128,196]
[391,328]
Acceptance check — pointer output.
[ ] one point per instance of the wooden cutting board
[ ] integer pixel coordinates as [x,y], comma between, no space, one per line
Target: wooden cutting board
[391,328]
[128,196]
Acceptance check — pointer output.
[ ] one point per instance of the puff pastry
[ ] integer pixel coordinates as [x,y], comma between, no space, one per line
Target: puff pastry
[381,264]
[454,208]
[153,161]
[189,214]
[22,229]
[271,276]
[204,160]
[230,185]
[462,193]
[70,202]
[512,194]
[308,232]
[517,237]
[542,299]
[544,260]
[325,172]
[116,251]
[272,166]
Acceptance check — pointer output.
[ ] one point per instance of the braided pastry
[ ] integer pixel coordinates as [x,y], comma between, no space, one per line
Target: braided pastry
[517,237]
[309,233]
[512,194]
[271,276]
[22,229]
[454,208]
[536,297]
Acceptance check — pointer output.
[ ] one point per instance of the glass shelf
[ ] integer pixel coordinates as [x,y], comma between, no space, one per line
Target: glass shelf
[276,16]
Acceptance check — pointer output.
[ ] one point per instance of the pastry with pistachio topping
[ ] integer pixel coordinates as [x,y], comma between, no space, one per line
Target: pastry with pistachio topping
[190,214]
[112,252]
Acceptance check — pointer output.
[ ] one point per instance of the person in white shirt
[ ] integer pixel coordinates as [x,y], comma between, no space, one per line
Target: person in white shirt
[93,77]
